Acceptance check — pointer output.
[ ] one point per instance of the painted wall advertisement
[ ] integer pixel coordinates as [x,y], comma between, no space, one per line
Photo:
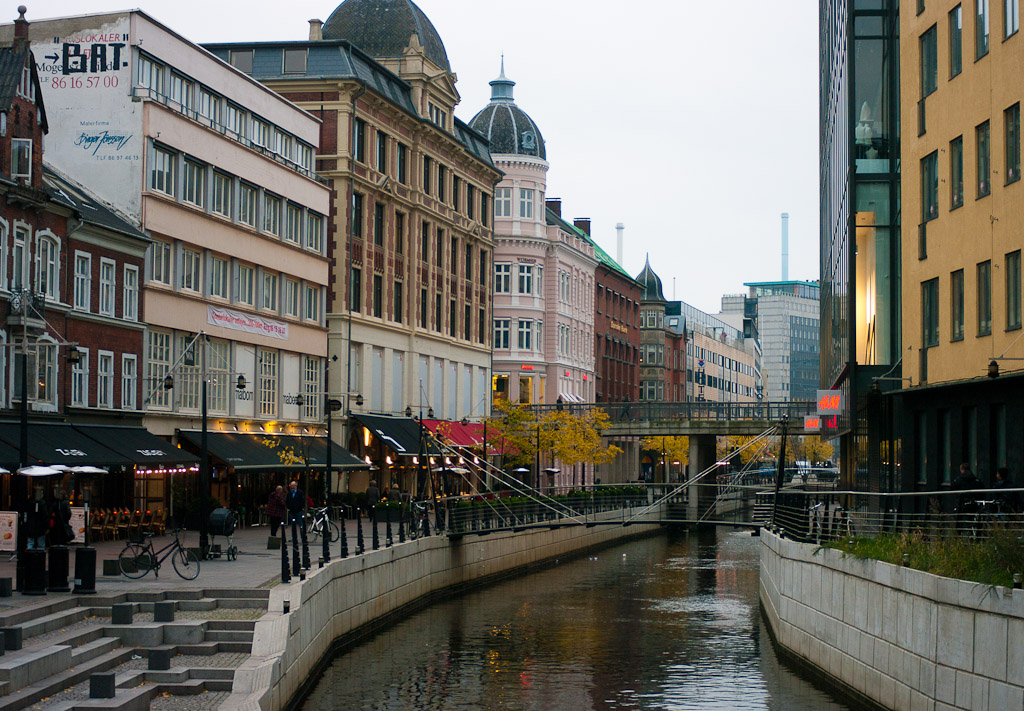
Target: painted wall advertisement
[95,128]
[8,531]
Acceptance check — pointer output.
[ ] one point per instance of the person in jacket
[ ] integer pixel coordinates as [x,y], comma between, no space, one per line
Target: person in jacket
[61,533]
[295,502]
[276,509]
[372,497]
[36,518]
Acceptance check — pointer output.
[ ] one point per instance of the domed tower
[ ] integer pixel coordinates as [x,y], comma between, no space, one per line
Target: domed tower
[652,336]
[652,284]
[401,37]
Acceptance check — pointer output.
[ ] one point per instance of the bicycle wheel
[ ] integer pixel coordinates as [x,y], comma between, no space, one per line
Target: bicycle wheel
[135,561]
[186,564]
[335,532]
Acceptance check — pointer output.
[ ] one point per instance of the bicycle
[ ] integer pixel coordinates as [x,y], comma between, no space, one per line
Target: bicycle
[318,521]
[139,558]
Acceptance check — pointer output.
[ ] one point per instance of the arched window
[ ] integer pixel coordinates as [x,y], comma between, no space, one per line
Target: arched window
[48,265]
[46,374]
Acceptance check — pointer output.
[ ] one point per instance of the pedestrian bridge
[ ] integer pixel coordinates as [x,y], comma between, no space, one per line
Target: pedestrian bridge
[656,419]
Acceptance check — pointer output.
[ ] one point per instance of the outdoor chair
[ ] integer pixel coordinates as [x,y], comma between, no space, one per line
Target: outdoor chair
[159,523]
[146,522]
[124,524]
[96,526]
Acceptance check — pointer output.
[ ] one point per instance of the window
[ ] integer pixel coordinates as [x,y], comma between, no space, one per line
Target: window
[399,233]
[501,333]
[956,172]
[241,59]
[956,41]
[503,202]
[311,387]
[980,28]
[304,155]
[162,176]
[399,302]
[151,75]
[1013,316]
[467,323]
[378,224]
[442,179]
[502,278]
[291,298]
[247,205]
[437,313]
[426,175]
[260,132]
[481,321]
[191,269]
[525,279]
[19,258]
[456,188]
[403,160]
[378,295]
[234,119]
[985,298]
[195,183]
[246,285]
[80,379]
[219,278]
[130,293]
[469,262]
[981,135]
[356,290]
[158,365]
[453,254]
[470,201]
[357,215]
[382,152]
[21,158]
[312,303]
[525,203]
[83,281]
[930,187]
[222,194]
[929,61]
[269,291]
[315,232]
[271,214]
[180,91]
[437,115]
[209,105]
[160,262]
[525,334]
[105,380]
[425,241]
[108,279]
[423,308]
[295,61]
[483,267]
[293,224]
[1011,119]
[268,382]
[359,139]
[1011,17]
[129,381]
[483,209]
[452,329]
[956,293]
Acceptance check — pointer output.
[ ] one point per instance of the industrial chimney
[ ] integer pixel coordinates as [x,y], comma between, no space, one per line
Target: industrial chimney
[619,229]
[785,246]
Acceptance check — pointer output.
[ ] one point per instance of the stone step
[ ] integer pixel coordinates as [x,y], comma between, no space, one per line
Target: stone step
[24,668]
[26,696]
[51,622]
[234,625]
[224,593]
[31,612]
[72,638]
[94,649]
[228,636]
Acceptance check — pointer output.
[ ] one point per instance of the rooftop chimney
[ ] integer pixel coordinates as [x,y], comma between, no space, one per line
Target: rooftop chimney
[555,205]
[785,246]
[21,30]
[619,229]
[582,223]
[316,30]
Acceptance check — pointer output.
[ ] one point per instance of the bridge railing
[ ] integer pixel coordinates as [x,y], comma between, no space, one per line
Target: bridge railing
[688,411]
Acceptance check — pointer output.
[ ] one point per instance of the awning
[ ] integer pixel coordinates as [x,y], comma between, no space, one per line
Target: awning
[139,445]
[9,456]
[399,434]
[60,443]
[252,452]
[470,434]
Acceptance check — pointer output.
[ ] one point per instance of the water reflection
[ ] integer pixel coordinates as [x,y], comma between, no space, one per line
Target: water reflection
[662,623]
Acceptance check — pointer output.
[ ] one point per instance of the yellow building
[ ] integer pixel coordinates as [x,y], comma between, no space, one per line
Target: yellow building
[963,213]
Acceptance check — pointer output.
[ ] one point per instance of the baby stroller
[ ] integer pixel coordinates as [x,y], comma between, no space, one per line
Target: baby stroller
[222,523]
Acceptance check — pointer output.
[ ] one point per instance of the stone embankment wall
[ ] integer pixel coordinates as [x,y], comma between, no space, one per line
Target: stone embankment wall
[894,637]
[350,594]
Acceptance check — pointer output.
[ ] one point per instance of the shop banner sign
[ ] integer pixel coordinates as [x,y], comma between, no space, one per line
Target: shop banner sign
[237,321]
[8,531]
[77,523]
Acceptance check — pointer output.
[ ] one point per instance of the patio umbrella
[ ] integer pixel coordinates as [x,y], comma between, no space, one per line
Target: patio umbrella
[39,471]
[87,469]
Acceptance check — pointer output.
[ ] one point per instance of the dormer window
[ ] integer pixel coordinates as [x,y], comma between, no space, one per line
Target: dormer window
[21,158]
[437,115]
[27,87]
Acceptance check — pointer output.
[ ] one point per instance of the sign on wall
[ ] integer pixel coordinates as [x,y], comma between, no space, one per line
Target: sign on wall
[830,402]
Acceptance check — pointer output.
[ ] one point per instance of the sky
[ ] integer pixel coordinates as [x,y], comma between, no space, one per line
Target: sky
[694,123]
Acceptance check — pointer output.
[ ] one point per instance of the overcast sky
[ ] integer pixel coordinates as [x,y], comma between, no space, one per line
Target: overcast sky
[692,122]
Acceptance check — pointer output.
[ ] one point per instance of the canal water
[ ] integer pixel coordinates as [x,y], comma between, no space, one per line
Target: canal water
[659,623]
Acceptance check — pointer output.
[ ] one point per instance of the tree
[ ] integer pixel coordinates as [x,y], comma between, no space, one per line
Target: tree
[676,448]
[728,445]
[815,449]
[576,438]
[511,432]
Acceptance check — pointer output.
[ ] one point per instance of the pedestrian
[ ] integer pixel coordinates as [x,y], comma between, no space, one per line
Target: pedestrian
[61,532]
[394,493]
[1011,500]
[967,504]
[372,497]
[295,502]
[36,516]
[276,509]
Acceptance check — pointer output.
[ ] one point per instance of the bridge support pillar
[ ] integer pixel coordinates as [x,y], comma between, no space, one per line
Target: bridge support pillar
[699,496]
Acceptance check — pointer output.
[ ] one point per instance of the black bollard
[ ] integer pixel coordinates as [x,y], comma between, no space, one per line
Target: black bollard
[360,548]
[306,565]
[296,562]
[376,533]
[85,571]
[286,575]
[35,572]
[344,539]
[59,565]
[426,525]
[387,529]
[325,556]
[401,526]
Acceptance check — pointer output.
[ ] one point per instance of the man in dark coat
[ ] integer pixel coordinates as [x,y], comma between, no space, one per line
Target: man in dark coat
[36,517]
[372,497]
[295,502]
[276,509]
[1011,500]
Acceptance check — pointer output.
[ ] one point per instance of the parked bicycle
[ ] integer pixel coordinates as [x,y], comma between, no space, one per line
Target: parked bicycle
[318,521]
[139,557]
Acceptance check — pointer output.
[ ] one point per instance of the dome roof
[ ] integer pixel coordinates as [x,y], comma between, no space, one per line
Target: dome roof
[382,28]
[651,283]
[507,127]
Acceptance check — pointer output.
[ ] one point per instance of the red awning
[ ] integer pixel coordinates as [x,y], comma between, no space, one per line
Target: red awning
[456,433]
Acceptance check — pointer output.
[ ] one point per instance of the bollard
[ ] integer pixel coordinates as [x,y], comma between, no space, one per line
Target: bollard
[286,607]
[35,572]
[85,571]
[101,686]
[286,576]
[59,560]
[159,659]
[163,611]
[1017,580]
[6,587]
[401,526]
[387,530]
[296,562]
[359,536]
[305,546]
[13,638]
[320,562]
[376,533]
[344,539]
[121,614]
[906,559]
[325,539]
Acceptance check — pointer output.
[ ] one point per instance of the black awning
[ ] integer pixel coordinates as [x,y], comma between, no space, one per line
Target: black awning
[60,443]
[10,456]
[139,445]
[258,452]
[402,435]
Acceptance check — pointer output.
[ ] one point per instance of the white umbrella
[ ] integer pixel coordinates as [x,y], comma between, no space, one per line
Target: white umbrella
[38,471]
[4,471]
[86,469]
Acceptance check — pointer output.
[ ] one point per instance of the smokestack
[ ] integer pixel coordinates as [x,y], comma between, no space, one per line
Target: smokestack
[555,205]
[785,246]
[619,229]
[21,30]
[316,30]
[582,223]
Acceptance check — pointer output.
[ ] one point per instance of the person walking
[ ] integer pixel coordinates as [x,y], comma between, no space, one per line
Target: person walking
[1010,500]
[36,516]
[295,502]
[61,532]
[372,497]
[276,509]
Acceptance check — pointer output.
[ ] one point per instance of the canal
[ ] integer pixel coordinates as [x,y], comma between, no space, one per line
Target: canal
[667,622]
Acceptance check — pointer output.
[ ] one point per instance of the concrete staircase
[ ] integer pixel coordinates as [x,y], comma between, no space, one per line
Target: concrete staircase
[67,640]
